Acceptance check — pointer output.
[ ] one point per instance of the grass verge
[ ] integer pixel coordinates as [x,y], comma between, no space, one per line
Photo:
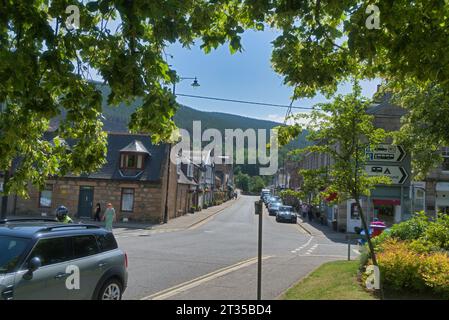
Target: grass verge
[336,280]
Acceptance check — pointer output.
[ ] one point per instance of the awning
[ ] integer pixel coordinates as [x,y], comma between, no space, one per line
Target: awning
[386,202]
[442,186]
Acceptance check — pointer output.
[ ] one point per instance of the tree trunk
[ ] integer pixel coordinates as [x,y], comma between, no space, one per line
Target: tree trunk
[368,238]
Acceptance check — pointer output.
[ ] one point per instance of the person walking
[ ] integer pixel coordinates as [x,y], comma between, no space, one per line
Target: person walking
[109,217]
[97,213]
[304,209]
[311,212]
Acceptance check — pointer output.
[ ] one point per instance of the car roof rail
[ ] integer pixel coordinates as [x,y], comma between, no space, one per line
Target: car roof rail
[3,221]
[70,226]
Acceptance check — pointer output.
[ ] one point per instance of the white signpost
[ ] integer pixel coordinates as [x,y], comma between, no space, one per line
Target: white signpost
[397,174]
[385,153]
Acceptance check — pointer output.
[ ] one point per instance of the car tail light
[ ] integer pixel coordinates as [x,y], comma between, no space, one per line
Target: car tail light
[126,261]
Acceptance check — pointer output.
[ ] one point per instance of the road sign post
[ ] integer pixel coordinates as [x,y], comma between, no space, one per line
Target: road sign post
[259,253]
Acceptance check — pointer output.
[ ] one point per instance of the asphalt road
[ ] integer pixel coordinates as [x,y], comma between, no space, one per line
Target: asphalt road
[216,259]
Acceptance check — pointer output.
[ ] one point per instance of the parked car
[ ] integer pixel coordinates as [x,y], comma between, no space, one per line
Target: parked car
[266,197]
[286,213]
[272,199]
[44,259]
[273,208]
[264,192]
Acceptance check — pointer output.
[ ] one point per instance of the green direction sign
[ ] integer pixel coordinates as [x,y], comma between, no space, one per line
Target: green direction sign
[385,153]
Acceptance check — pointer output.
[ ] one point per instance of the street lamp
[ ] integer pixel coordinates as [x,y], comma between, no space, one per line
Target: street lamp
[194,84]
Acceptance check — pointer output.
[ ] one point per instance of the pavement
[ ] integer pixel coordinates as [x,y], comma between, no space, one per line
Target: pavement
[214,255]
[187,221]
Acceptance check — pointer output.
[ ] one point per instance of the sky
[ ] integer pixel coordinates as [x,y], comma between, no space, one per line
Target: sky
[245,75]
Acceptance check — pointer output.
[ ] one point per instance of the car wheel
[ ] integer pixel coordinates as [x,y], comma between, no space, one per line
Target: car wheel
[111,290]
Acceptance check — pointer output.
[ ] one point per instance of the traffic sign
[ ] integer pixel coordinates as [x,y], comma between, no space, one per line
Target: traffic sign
[397,174]
[385,153]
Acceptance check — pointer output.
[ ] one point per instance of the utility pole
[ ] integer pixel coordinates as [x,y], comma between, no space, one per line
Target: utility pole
[259,210]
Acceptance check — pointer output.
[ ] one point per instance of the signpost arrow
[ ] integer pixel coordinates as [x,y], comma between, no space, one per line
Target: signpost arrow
[398,175]
[385,153]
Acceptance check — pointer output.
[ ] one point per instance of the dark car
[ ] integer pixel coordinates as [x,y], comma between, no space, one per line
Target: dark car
[44,259]
[272,199]
[273,208]
[286,214]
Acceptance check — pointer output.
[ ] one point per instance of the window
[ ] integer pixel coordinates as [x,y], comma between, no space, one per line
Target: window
[445,154]
[52,251]
[131,161]
[127,200]
[190,170]
[84,246]
[107,242]
[12,250]
[45,196]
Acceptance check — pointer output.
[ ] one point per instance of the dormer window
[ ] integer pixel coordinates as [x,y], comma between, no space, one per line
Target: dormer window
[133,156]
[131,161]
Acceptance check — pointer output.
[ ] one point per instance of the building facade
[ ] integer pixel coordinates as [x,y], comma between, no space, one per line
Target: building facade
[135,180]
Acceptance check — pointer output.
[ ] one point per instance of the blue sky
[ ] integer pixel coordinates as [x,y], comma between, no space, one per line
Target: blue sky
[244,76]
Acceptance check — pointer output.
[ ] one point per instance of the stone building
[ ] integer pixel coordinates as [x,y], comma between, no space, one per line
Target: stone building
[134,180]
[432,194]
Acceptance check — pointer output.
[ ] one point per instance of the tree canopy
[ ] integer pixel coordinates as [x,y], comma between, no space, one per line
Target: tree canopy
[45,63]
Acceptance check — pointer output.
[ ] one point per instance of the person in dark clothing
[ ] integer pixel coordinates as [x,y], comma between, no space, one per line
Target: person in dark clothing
[310,213]
[97,213]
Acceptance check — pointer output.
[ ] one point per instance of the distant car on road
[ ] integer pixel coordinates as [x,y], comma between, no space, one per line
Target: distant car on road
[272,199]
[273,208]
[44,259]
[286,213]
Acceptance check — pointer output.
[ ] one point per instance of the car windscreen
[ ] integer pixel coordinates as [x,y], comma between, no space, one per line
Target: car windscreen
[11,251]
[285,209]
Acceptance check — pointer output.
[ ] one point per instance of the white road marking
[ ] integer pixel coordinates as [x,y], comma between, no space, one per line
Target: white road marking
[167,293]
[303,246]
[312,249]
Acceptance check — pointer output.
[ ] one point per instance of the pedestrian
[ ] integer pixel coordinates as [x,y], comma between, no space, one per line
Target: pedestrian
[62,215]
[310,212]
[304,209]
[109,217]
[97,213]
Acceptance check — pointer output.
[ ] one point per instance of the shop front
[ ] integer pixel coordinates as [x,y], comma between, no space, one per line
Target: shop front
[387,210]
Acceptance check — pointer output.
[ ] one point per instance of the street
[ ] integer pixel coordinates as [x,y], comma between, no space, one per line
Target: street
[216,259]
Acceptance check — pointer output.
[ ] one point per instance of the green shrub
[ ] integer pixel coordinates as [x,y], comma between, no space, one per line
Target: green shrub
[437,233]
[399,266]
[411,229]
[434,270]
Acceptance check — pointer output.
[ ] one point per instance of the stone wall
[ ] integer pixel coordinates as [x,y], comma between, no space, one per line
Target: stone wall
[147,198]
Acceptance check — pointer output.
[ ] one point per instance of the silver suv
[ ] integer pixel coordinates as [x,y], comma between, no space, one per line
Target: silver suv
[44,259]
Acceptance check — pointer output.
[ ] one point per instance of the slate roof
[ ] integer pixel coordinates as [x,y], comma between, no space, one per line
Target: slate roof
[384,106]
[119,141]
[135,146]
